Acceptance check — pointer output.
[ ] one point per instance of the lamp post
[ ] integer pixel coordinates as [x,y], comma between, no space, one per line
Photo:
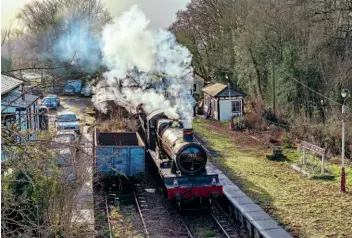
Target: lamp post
[345,94]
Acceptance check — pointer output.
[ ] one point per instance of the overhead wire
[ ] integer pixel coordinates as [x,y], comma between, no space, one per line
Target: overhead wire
[309,88]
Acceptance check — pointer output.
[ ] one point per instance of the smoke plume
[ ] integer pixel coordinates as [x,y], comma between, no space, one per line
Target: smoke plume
[158,64]
[78,41]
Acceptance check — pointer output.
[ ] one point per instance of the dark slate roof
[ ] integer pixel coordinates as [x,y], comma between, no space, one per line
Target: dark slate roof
[221,90]
[234,93]
[9,83]
[29,100]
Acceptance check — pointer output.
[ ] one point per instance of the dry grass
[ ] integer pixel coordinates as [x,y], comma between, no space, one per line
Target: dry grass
[121,226]
[306,208]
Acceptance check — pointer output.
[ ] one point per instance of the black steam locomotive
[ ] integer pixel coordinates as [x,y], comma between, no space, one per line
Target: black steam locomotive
[180,160]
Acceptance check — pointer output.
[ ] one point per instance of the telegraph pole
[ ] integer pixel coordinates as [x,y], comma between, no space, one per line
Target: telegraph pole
[273,69]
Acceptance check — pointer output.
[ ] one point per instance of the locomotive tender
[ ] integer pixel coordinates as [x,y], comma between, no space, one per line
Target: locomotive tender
[181,162]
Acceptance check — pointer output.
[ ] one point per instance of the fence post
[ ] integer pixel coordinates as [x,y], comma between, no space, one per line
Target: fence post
[304,155]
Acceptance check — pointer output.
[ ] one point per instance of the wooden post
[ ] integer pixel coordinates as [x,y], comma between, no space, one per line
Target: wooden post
[304,155]
[322,163]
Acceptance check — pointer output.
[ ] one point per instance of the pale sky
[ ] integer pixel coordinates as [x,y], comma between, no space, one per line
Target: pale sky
[160,12]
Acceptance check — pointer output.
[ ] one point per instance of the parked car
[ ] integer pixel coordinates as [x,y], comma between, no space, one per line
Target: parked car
[65,156]
[42,109]
[71,135]
[69,89]
[50,102]
[56,97]
[73,86]
[67,121]
[86,91]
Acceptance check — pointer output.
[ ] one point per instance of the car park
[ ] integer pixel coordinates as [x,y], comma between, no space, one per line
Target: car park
[67,121]
[50,103]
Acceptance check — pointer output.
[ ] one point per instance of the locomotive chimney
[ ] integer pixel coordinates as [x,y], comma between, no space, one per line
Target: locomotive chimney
[188,135]
[187,130]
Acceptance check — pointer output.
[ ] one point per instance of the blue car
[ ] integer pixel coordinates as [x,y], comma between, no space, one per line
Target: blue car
[51,103]
[67,121]
[56,97]
[69,89]
[73,87]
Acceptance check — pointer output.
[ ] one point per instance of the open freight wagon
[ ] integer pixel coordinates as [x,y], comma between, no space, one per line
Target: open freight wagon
[119,154]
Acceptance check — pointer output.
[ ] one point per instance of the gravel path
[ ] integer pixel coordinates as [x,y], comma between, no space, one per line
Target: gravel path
[82,209]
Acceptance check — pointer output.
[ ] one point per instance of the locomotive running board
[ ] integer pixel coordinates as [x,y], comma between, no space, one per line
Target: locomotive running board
[183,180]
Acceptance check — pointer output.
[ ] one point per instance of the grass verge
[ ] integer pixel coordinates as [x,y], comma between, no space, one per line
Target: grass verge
[305,207]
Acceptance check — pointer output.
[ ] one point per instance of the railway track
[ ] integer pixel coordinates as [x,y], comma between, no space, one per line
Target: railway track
[152,215]
[209,221]
[120,213]
[228,227]
[159,217]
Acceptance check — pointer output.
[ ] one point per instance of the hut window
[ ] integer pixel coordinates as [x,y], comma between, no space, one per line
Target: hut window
[236,106]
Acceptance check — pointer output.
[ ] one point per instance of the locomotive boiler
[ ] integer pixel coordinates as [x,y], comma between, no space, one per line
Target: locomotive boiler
[181,161]
[176,143]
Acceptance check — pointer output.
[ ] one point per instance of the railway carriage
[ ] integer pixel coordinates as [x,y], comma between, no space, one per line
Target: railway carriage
[180,160]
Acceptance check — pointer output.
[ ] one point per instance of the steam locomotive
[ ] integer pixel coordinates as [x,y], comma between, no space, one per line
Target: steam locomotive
[181,161]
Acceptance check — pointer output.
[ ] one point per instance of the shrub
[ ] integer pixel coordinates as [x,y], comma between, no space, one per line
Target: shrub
[252,120]
[238,123]
[327,135]
[287,140]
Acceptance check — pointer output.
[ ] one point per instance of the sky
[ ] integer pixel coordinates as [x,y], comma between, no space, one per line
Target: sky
[160,12]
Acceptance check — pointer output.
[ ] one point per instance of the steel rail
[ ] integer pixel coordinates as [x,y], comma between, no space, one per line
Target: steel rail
[220,208]
[224,213]
[140,214]
[219,225]
[189,233]
[107,214]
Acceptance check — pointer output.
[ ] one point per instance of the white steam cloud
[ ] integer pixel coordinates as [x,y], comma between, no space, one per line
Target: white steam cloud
[130,48]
